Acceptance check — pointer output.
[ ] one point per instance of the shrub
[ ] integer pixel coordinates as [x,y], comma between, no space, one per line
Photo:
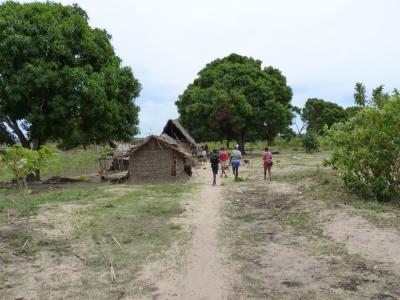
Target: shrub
[366,150]
[22,162]
[310,142]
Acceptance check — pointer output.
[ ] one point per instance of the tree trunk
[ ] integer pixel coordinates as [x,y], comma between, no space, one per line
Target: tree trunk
[241,142]
[34,177]
[227,144]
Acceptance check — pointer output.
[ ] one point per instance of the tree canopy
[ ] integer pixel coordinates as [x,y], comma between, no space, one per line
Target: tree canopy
[60,79]
[235,98]
[318,113]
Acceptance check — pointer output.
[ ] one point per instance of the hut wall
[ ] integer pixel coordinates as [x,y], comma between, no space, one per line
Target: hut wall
[155,163]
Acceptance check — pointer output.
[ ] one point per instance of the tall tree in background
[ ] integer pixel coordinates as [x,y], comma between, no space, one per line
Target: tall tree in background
[318,113]
[360,94]
[60,79]
[234,97]
[379,96]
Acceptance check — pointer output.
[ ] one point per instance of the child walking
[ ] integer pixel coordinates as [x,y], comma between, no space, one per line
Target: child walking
[223,158]
[214,160]
[267,158]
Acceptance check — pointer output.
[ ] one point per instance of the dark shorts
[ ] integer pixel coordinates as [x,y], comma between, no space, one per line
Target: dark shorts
[214,169]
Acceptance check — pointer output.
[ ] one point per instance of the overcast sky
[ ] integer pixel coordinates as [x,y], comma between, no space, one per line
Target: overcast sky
[322,47]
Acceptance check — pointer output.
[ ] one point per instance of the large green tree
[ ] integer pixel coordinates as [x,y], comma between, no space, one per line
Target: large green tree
[60,79]
[318,113]
[235,97]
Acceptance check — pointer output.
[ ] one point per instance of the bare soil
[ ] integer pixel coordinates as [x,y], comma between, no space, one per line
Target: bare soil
[287,245]
[200,273]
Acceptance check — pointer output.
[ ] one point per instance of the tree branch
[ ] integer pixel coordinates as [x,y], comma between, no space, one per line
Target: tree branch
[13,124]
[5,136]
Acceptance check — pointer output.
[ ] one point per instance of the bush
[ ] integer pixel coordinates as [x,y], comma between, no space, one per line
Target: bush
[366,150]
[310,141]
[22,162]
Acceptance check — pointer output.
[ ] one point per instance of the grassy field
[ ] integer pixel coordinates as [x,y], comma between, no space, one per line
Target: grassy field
[72,163]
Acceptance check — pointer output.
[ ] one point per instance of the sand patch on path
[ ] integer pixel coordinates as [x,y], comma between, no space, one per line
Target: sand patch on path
[361,237]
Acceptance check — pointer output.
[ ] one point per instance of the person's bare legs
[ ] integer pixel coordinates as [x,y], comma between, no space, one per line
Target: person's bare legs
[236,172]
[214,179]
[223,170]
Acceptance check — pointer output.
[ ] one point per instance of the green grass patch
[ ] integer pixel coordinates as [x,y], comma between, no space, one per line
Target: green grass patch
[71,163]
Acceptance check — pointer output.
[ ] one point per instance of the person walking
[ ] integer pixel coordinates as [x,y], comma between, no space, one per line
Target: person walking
[236,156]
[223,158]
[214,160]
[267,158]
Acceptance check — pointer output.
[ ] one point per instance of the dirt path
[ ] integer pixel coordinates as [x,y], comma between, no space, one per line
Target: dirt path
[203,275]
[205,278]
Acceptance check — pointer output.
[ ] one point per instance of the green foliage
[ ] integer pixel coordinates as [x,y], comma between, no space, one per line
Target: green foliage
[352,111]
[70,163]
[366,150]
[235,98]
[310,141]
[379,97]
[22,162]
[107,151]
[60,79]
[360,94]
[317,113]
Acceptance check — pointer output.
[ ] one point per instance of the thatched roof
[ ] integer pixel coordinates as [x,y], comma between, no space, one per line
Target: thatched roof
[175,130]
[163,141]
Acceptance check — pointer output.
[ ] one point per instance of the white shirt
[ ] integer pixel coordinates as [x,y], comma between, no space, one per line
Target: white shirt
[236,155]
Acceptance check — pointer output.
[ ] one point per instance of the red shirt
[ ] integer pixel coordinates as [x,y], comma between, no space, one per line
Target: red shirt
[223,155]
[267,156]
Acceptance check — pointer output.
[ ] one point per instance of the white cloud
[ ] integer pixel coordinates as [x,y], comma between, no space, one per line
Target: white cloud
[322,47]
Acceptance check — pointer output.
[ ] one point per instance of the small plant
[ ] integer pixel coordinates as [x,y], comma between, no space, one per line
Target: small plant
[310,142]
[22,162]
[107,151]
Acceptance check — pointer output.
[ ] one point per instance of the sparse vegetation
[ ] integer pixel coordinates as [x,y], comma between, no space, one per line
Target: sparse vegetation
[276,234]
[81,226]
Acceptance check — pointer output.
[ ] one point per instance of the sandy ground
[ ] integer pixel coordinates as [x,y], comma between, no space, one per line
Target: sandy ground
[203,274]
[340,255]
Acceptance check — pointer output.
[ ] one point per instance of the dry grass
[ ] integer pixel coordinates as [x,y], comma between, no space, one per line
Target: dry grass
[278,243]
[89,243]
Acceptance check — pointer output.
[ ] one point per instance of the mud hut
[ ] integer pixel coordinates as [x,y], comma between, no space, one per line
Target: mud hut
[175,130]
[159,159]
